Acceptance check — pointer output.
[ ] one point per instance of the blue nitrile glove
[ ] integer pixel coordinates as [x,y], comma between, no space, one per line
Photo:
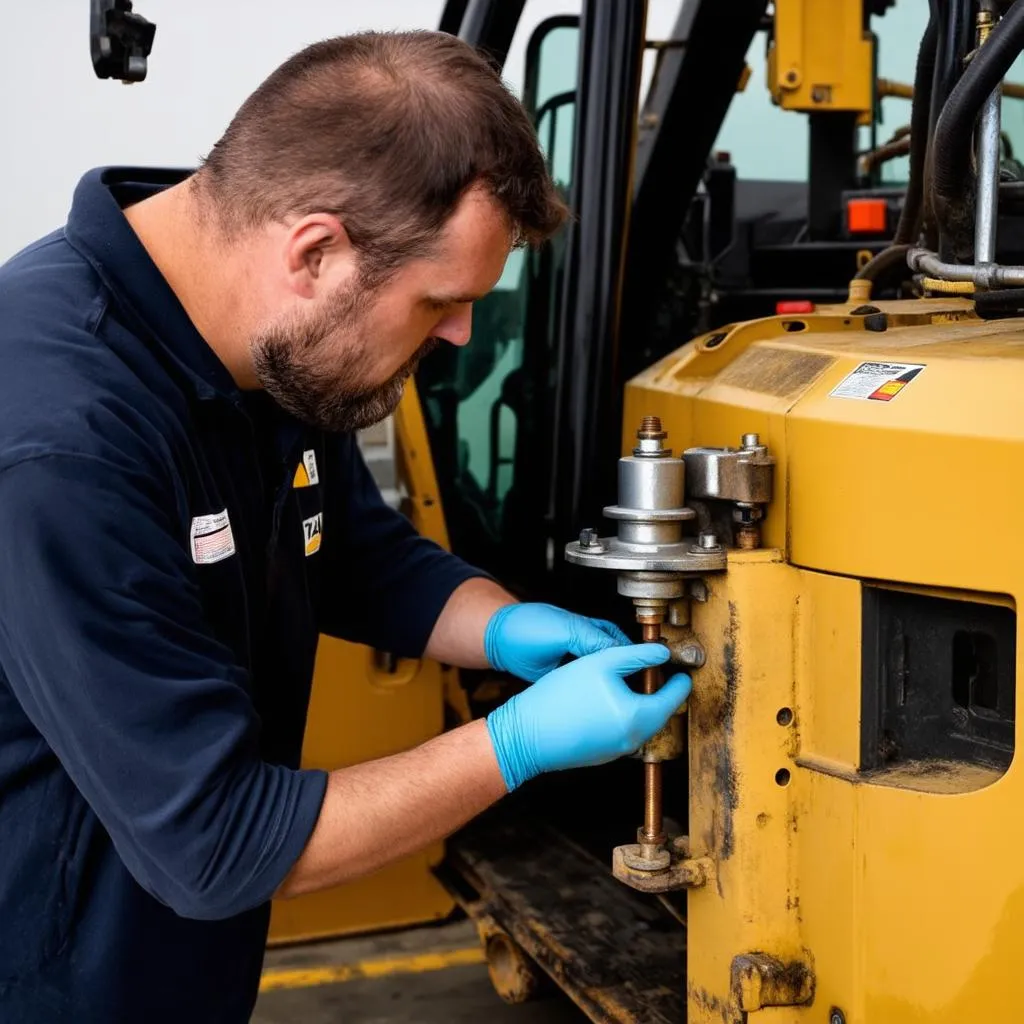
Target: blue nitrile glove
[582,714]
[529,640]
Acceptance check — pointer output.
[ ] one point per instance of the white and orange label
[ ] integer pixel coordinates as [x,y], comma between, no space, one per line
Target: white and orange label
[876,382]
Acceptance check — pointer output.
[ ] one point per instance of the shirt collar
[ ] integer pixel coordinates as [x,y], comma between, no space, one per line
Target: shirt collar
[98,229]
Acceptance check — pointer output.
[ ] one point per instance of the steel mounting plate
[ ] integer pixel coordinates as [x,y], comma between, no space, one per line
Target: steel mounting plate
[610,553]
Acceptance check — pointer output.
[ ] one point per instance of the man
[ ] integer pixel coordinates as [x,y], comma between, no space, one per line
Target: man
[171,358]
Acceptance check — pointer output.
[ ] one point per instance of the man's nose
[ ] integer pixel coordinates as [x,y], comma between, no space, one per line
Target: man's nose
[456,328]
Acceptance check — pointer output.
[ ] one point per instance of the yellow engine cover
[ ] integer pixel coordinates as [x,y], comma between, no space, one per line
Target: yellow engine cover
[900,890]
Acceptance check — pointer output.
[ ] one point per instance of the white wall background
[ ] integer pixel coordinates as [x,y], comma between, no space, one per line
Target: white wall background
[58,120]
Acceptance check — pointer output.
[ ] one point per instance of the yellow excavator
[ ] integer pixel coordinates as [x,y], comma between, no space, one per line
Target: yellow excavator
[780,425]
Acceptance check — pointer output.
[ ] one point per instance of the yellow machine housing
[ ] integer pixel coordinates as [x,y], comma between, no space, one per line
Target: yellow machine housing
[837,893]
[820,57]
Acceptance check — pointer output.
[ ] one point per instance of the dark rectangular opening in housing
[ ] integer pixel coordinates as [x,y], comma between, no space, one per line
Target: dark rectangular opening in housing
[938,680]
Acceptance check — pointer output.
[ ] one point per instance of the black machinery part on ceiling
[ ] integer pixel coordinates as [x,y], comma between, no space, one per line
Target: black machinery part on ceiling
[120,41]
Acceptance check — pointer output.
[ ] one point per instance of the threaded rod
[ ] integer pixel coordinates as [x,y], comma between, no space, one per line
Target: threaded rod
[653,816]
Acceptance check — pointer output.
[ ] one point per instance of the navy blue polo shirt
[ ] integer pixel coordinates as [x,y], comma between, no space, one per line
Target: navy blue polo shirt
[165,569]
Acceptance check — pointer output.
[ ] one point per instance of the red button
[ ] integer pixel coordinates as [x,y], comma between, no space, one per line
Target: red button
[790,307]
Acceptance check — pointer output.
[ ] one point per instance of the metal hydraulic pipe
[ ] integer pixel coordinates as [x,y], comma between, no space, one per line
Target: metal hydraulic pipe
[989,275]
[987,199]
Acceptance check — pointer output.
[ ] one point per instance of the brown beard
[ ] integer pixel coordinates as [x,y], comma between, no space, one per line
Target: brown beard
[291,366]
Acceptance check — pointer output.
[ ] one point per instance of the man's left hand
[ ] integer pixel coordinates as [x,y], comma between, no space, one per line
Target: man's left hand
[530,640]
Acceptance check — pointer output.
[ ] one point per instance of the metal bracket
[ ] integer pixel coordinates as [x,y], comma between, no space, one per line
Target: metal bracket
[760,980]
[682,872]
[730,474]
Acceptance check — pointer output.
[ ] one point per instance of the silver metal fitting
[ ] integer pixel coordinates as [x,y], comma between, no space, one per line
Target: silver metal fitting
[731,474]
[650,513]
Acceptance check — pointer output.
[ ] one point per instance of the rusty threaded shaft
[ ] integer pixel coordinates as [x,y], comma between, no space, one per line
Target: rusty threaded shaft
[650,425]
[653,818]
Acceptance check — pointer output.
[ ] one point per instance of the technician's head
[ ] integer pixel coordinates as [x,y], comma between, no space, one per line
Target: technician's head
[376,184]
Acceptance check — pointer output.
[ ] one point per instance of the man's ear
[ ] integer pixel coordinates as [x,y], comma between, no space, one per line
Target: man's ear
[318,254]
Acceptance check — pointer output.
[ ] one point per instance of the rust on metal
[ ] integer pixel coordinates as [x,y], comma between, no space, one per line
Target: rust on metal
[748,536]
[513,974]
[760,980]
[682,872]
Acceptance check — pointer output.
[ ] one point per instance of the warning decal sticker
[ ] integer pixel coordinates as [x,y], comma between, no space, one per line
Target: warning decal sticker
[877,382]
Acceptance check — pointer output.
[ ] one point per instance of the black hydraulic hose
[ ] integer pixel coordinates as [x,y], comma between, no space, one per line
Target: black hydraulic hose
[951,145]
[954,22]
[910,216]
[888,259]
[999,304]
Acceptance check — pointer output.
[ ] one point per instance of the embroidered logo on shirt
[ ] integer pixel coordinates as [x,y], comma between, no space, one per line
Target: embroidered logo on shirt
[313,528]
[306,474]
[212,539]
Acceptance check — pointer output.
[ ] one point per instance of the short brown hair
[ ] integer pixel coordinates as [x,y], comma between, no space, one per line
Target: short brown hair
[387,130]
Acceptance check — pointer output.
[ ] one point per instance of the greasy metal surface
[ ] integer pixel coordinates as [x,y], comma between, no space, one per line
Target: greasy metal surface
[680,871]
[760,980]
[513,974]
[617,954]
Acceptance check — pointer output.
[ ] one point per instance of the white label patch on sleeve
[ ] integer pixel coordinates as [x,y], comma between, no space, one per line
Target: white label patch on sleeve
[312,529]
[212,539]
[877,382]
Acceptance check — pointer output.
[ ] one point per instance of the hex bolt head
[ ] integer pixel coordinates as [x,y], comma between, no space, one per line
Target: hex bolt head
[836,1017]
[751,440]
[588,537]
[707,540]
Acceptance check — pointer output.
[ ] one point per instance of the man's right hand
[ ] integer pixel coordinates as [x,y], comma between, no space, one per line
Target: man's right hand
[582,714]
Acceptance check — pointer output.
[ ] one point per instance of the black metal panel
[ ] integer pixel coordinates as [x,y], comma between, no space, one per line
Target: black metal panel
[489,25]
[833,170]
[695,84]
[588,399]
[938,681]
[451,16]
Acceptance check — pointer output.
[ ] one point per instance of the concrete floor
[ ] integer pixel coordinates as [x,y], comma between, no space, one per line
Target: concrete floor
[410,988]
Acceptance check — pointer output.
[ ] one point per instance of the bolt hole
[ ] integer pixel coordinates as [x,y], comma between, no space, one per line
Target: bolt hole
[785,716]
[793,326]
[782,777]
[715,340]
